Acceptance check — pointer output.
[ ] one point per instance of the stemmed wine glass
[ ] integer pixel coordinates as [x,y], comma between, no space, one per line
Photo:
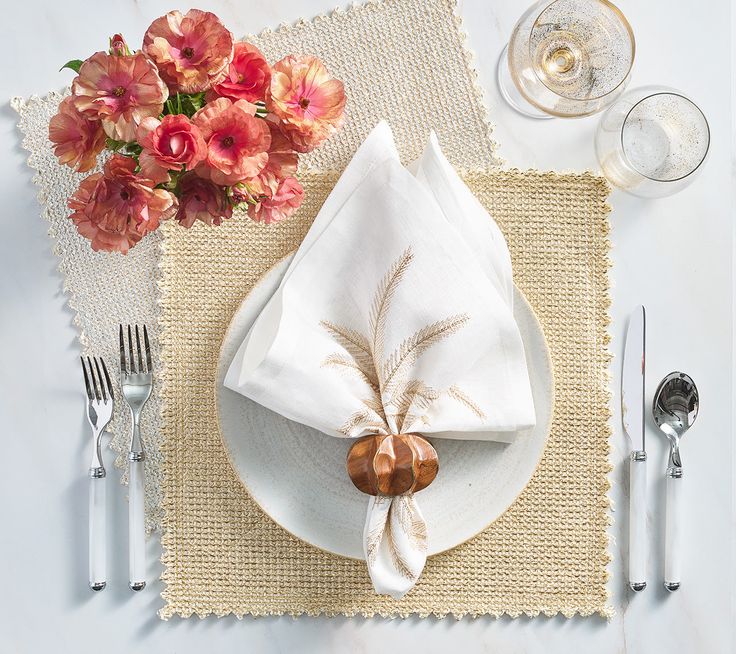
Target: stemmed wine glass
[652,141]
[566,58]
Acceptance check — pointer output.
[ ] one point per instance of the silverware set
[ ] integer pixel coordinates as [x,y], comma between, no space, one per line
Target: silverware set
[675,408]
[136,382]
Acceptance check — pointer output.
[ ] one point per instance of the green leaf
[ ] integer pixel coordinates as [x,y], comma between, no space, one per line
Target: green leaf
[184,103]
[194,102]
[112,144]
[198,100]
[74,64]
[132,149]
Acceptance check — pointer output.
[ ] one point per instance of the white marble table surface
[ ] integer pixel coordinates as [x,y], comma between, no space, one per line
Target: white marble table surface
[673,255]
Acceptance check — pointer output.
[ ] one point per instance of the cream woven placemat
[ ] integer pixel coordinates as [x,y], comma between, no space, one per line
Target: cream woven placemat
[547,553]
[404,61]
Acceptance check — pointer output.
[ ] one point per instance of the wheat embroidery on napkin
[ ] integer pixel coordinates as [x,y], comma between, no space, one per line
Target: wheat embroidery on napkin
[395,537]
[411,523]
[396,400]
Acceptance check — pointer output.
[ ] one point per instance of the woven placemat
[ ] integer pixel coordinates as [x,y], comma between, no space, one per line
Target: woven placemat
[546,554]
[402,61]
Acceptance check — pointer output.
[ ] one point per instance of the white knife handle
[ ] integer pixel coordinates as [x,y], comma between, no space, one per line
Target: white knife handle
[673,530]
[97,529]
[136,528]
[638,521]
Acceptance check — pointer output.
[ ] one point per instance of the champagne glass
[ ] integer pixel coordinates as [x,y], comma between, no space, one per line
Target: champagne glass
[566,58]
[652,141]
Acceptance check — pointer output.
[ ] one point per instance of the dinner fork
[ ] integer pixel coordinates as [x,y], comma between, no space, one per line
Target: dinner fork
[99,411]
[136,375]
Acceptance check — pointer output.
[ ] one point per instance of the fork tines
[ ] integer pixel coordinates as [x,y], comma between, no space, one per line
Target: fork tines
[128,362]
[96,379]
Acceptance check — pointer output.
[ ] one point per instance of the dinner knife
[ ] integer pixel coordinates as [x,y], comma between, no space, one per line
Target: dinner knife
[632,413]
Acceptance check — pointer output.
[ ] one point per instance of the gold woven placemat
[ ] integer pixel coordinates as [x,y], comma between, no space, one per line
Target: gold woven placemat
[546,554]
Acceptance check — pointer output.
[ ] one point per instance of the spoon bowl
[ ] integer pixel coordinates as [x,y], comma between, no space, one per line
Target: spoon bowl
[675,409]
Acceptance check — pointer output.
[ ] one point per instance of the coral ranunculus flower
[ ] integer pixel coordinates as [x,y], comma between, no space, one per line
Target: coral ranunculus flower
[192,51]
[249,75]
[282,160]
[307,99]
[237,141]
[172,143]
[120,91]
[77,140]
[201,199]
[279,203]
[116,208]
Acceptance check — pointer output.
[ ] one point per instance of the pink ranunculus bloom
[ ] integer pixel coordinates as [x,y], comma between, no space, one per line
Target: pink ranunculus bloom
[305,138]
[309,102]
[276,204]
[77,140]
[237,141]
[192,51]
[172,143]
[201,199]
[116,208]
[120,91]
[249,75]
[282,160]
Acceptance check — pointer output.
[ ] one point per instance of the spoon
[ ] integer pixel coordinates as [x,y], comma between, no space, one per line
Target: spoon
[675,408]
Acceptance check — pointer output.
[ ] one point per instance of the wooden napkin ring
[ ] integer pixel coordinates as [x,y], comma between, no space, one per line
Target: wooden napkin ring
[392,465]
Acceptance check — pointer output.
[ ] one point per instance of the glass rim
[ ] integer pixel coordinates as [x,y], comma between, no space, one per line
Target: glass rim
[624,79]
[626,118]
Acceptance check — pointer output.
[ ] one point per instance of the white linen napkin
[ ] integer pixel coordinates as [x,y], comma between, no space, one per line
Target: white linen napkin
[394,317]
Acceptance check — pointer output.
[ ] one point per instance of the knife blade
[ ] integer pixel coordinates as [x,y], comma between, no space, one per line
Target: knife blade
[633,378]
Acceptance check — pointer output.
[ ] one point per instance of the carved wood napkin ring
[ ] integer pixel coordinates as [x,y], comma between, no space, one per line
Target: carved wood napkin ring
[392,464]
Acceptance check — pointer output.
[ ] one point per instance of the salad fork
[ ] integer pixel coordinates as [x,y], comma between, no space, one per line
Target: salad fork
[136,373]
[99,411]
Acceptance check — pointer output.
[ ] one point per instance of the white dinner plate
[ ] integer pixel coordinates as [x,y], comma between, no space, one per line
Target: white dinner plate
[298,476]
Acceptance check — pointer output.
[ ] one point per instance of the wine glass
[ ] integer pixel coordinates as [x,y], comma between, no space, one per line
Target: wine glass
[652,141]
[566,58]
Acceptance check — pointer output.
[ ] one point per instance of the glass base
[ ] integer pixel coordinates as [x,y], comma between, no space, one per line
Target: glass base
[511,94]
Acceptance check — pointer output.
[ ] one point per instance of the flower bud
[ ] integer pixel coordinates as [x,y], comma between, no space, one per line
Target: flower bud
[118,46]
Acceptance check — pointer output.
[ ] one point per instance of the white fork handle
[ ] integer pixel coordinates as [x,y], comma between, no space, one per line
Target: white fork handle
[136,530]
[97,533]
[637,523]
[673,533]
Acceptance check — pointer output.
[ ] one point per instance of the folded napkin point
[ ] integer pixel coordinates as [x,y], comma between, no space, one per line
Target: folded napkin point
[467,214]
[383,128]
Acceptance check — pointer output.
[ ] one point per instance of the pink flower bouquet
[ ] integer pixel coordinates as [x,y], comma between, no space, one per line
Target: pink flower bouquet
[197,123]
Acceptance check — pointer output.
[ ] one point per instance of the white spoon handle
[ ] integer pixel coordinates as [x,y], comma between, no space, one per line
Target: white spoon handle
[673,530]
